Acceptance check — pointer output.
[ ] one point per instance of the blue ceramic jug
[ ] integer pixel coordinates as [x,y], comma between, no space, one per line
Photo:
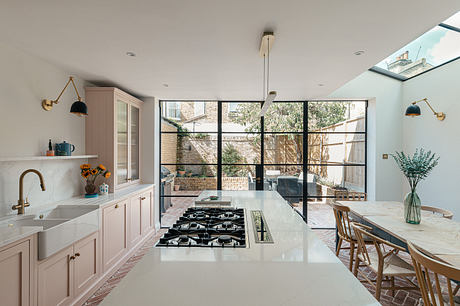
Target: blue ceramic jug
[64,149]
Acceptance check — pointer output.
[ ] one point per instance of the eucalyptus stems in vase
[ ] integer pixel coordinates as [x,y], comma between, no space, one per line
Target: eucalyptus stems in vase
[416,169]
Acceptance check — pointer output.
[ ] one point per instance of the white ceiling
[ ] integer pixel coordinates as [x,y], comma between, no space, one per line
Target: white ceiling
[208,49]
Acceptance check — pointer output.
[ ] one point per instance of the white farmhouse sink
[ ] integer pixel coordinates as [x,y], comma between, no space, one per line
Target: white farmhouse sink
[71,223]
[67,211]
[62,226]
[46,224]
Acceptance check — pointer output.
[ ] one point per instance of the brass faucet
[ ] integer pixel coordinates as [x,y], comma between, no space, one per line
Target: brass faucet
[21,203]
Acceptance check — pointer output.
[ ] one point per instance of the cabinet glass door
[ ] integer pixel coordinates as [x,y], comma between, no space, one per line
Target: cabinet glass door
[122,142]
[134,163]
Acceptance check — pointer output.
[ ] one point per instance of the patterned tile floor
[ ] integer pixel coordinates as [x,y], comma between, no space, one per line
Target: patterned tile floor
[181,204]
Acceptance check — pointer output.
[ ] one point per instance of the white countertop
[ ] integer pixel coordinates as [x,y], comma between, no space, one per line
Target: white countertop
[10,234]
[298,269]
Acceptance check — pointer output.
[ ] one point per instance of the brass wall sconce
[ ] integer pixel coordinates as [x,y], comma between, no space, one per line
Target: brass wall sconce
[78,108]
[414,110]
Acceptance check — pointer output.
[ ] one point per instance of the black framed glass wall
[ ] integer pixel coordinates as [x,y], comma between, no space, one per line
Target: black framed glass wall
[226,145]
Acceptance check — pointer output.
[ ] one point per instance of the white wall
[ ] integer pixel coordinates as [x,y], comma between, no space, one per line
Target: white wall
[25,128]
[442,88]
[150,149]
[385,117]
[393,131]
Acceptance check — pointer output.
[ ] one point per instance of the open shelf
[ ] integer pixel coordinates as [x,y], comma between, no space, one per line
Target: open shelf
[28,158]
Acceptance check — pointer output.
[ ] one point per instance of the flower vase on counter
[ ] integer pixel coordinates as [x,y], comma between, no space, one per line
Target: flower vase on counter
[415,168]
[90,175]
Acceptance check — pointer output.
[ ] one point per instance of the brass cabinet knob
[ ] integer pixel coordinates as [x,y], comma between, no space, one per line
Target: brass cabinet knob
[77,254]
[72,257]
[116,206]
[142,198]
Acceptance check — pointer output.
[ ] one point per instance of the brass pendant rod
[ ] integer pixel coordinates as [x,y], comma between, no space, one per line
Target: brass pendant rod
[441,116]
[65,87]
[426,101]
[67,84]
[75,87]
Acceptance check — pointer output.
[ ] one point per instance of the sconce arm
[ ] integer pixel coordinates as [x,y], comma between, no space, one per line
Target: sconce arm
[65,87]
[441,116]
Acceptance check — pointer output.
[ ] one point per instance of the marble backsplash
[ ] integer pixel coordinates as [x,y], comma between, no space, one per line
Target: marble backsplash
[62,181]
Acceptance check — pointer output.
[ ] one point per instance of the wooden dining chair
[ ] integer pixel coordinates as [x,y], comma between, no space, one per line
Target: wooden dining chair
[344,231]
[436,210]
[350,196]
[428,272]
[384,262]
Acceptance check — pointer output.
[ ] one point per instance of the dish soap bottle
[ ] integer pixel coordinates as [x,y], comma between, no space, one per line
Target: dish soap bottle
[50,151]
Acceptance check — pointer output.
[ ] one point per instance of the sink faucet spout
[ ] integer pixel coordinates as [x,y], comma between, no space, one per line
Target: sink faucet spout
[21,203]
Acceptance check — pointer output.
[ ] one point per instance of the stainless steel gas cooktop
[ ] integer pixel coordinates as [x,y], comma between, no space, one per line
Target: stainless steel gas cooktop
[207,227]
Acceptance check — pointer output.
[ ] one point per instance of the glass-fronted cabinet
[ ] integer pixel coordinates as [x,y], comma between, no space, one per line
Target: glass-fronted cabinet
[113,133]
[134,160]
[122,142]
[127,125]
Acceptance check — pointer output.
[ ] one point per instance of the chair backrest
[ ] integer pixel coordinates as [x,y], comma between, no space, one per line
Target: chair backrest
[428,272]
[342,220]
[288,185]
[362,249]
[379,244]
[350,196]
[250,179]
[444,212]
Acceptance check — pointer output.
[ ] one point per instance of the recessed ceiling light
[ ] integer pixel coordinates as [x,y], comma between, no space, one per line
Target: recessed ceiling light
[132,54]
[360,52]
[165,85]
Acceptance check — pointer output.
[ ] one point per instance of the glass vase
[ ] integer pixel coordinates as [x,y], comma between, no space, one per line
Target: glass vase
[412,207]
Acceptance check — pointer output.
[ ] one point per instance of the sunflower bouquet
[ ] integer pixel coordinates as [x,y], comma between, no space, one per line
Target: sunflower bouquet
[91,174]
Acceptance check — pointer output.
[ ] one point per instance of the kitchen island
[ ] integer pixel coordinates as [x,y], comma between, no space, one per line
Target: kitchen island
[297,269]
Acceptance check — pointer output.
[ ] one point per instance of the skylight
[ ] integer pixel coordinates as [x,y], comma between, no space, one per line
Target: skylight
[434,48]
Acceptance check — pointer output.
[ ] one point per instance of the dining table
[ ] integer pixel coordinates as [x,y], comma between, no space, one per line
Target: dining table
[436,236]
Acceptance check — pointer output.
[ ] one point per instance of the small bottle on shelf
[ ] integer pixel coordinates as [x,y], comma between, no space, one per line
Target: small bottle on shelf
[50,151]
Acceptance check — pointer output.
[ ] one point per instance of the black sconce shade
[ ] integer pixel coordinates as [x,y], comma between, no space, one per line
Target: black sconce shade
[413,110]
[79,108]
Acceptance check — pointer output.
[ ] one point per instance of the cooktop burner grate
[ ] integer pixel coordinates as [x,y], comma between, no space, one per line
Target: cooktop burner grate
[207,227]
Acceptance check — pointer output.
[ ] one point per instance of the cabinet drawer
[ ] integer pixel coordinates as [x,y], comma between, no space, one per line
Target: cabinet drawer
[114,231]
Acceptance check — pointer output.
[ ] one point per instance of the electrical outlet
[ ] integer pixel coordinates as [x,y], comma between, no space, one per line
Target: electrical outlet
[385,156]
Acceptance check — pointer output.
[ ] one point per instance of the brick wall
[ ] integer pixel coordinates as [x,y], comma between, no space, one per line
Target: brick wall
[168,145]
[210,183]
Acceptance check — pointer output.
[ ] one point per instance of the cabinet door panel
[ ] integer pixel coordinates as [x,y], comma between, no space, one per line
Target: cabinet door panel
[146,213]
[134,133]
[14,276]
[122,144]
[114,233]
[136,228]
[86,263]
[55,282]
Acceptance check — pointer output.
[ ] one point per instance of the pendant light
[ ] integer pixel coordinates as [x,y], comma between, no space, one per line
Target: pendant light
[265,45]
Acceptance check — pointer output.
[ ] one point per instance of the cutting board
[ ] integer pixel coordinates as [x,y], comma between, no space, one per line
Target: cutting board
[220,201]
